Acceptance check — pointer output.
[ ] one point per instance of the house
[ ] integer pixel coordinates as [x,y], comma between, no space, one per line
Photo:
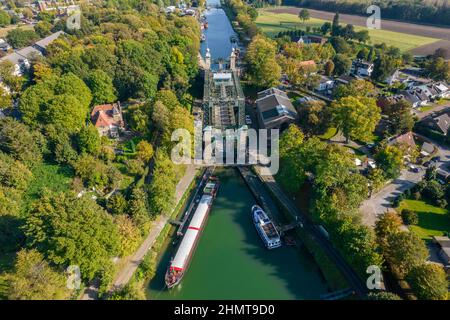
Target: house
[308,64]
[442,123]
[21,58]
[427,149]
[308,39]
[42,44]
[361,68]
[444,250]
[405,140]
[4,46]
[325,84]
[344,79]
[275,110]
[417,97]
[108,119]
[20,63]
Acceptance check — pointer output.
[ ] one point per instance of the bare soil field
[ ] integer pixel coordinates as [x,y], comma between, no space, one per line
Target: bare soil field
[396,26]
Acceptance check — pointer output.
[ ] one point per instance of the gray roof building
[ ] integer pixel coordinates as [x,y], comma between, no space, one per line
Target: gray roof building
[275,110]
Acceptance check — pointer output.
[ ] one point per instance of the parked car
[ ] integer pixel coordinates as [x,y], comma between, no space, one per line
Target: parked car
[436,159]
[248,120]
[413,168]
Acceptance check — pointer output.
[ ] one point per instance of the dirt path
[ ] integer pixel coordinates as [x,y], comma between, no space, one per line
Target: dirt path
[125,274]
[396,26]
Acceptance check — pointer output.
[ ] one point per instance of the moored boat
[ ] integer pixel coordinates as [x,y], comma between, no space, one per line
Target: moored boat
[185,251]
[265,227]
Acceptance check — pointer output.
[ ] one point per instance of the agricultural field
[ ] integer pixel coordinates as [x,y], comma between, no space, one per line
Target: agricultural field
[272,23]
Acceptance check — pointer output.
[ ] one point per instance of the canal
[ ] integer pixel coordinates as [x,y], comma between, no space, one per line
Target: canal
[230,261]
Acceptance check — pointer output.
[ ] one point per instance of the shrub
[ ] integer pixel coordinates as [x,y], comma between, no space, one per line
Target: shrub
[410,217]
[442,203]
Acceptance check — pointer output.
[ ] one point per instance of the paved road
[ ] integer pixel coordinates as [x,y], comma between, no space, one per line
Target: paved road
[423,114]
[125,274]
[350,275]
[381,201]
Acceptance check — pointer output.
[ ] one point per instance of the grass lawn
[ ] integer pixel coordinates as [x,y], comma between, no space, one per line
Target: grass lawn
[47,176]
[433,221]
[330,133]
[272,23]
[4,31]
[426,108]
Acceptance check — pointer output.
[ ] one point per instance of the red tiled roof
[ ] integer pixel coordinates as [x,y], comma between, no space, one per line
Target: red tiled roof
[307,63]
[103,115]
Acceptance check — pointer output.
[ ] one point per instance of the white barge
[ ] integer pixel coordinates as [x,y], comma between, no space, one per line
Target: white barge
[185,251]
[266,229]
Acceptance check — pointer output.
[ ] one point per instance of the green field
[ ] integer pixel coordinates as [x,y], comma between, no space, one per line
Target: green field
[433,221]
[272,23]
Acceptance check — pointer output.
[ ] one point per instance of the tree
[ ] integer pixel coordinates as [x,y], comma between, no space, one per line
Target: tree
[429,281]
[20,142]
[342,64]
[88,140]
[439,68]
[102,87]
[62,102]
[117,204]
[129,235]
[129,292]
[387,224]
[355,116]
[335,28]
[138,210]
[384,66]
[43,28]
[355,88]
[264,70]
[144,151]
[5,18]
[95,173]
[13,173]
[377,179]
[162,186]
[363,54]
[329,68]
[340,45]
[34,279]
[390,160]
[400,116]
[325,28]
[19,37]
[313,116]
[73,231]
[303,15]
[404,251]
[362,36]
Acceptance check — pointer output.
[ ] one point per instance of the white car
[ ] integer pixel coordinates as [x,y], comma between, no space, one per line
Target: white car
[248,121]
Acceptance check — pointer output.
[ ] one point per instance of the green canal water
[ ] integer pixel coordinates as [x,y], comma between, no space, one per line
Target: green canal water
[231,262]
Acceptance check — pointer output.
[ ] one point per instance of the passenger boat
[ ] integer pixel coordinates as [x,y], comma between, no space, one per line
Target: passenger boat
[185,251]
[266,229]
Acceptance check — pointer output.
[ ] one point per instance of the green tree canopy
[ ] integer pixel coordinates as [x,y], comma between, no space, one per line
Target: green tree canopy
[34,279]
[73,231]
[357,117]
